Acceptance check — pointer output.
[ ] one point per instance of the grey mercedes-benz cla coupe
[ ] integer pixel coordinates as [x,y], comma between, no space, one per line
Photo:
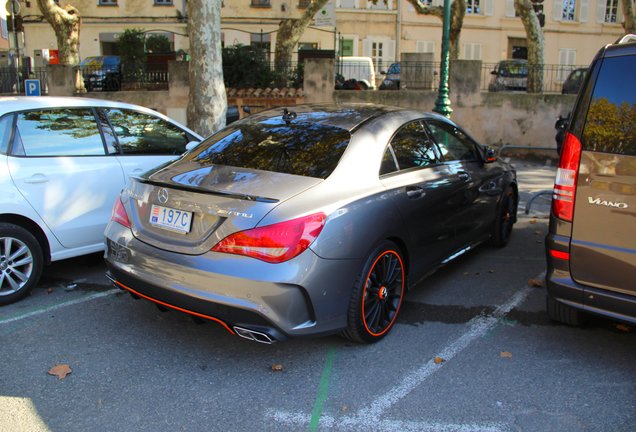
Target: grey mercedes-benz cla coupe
[311,221]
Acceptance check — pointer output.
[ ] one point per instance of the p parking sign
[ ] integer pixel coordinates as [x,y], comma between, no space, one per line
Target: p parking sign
[32,87]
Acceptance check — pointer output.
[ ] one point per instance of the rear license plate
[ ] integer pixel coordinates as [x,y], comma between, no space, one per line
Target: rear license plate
[171,219]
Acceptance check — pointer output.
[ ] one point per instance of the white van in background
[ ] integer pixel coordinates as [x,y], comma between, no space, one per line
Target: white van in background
[359,68]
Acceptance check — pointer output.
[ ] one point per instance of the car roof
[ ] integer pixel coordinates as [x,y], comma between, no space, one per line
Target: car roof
[9,104]
[347,116]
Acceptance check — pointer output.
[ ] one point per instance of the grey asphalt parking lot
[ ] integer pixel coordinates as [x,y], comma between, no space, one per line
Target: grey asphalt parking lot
[473,351]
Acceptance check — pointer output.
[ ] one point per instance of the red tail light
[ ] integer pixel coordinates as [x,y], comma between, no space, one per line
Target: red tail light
[560,255]
[565,183]
[119,214]
[274,243]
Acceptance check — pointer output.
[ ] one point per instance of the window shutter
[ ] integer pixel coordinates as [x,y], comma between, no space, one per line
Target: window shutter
[489,8]
[510,8]
[557,10]
[600,11]
[583,11]
[366,47]
[425,47]
[389,54]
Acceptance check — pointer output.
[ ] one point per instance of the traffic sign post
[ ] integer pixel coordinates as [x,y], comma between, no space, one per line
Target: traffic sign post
[32,87]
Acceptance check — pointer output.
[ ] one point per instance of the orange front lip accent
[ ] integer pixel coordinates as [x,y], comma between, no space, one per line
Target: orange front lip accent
[189,312]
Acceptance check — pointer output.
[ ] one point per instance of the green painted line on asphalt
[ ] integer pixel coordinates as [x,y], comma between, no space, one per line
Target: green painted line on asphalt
[323,390]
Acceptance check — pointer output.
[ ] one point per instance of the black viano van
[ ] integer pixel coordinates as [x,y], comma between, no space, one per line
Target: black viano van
[591,245]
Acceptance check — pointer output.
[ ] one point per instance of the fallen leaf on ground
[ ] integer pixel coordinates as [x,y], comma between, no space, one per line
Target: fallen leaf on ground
[537,232]
[506,354]
[535,283]
[277,368]
[344,408]
[438,360]
[623,328]
[49,291]
[60,371]
[533,221]
[491,271]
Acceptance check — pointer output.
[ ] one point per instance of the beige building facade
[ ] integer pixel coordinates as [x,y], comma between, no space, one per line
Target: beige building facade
[574,29]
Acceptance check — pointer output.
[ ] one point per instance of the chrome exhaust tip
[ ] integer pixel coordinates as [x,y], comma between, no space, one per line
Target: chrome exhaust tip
[255,336]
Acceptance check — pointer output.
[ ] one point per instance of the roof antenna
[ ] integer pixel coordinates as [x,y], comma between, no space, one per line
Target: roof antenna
[289,115]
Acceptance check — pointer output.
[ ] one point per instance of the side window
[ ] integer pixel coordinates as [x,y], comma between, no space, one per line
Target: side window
[140,133]
[58,132]
[5,133]
[389,164]
[611,118]
[412,147]
[452,142]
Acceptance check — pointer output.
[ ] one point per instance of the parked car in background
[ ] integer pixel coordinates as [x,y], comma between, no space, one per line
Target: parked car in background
[573,82]
[509,75]
[64,160]
[591,244]
[391,78]
[309,222]
[101,73]
[360,69]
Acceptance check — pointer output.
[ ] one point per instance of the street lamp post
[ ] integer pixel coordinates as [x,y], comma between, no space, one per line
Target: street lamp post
[443,103]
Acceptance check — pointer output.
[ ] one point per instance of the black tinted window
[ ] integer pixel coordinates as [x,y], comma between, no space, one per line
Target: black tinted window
[412,147]
[58,132]
[610,126]
[5,133]
[452,142]
[307,149]
[146,134]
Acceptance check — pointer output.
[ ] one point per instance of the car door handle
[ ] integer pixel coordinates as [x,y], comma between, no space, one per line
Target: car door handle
[414,192]
[463,176]
[37,178]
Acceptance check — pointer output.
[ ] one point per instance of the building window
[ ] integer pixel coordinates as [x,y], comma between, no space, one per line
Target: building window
[307,46]
[261,3]
[472,51]
[611,11]
[346,47]
[569,8]
[347,4]
[377,54]
[473,7]
[380,4]
[163,2]
[567,60]
[107,2]
[303,4]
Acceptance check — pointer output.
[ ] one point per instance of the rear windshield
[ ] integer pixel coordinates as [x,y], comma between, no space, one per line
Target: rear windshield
[611,119]
[299,148]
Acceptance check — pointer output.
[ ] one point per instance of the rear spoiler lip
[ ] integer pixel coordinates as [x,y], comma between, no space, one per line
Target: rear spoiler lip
[181,187]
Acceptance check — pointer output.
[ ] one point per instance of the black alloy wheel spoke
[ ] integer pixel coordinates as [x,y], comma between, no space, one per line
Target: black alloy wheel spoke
[383,293]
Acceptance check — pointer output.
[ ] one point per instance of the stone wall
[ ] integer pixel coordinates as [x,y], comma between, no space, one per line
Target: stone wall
[492,118]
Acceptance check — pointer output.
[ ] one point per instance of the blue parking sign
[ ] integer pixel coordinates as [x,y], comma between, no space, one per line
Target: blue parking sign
[32,87]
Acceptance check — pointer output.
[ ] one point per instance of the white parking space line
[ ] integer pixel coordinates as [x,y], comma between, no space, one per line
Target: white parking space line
[372,417]
[50,308]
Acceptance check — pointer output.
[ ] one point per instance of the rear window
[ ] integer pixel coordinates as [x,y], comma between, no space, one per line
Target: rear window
[611,119]
[299,148]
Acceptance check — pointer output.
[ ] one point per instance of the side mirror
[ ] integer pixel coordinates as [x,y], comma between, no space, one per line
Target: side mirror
[491,155]
[192,144]
[246,109]
[382,72]
[493,72]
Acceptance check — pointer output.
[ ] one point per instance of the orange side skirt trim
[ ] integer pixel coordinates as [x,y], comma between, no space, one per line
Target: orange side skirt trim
[189,312]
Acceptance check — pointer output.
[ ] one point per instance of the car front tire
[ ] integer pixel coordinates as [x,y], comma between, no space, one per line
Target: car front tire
[505,219]
[21,262]
[377,295]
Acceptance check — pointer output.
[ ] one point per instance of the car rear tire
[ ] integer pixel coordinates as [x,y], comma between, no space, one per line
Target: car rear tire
[563,313]
[377,295]
[21,262]
[506,217]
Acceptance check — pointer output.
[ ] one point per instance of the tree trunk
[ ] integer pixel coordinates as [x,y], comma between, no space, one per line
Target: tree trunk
[535,44]
[66,23]
[290,30]
[207,102]
[629,24]
[458,11]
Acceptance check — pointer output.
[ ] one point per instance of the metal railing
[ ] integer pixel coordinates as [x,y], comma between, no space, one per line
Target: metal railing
[553,78]
[12,80]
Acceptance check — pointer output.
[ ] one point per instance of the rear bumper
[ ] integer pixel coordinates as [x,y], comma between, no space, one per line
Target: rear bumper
[305,296]
[562,288]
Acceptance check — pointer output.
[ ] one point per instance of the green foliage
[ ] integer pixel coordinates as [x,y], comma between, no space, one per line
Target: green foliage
[158,44]
[247,67]
[133,57]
